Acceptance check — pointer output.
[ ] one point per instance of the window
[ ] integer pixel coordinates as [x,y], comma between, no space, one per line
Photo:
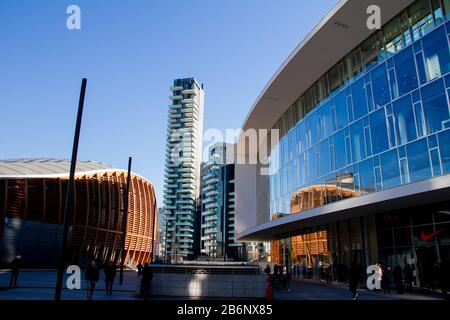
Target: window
[327,124]
[312,128]
[378,128]
[380,84]
[312,165]
[359,99]
[436,52]
[405,71]
[302,141]
[366,176]
[351,66]
[392,37]
[418,160]
[301,170]
[369,51]
[325,162]
[358,143]
[334,79]
[435,105]
[310,99]
[421,18]
[339,149]
[390,169]
[444,146]
[341,110]
[405,128]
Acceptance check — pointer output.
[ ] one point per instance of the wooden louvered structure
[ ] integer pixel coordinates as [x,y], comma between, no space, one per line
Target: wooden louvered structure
[96,219]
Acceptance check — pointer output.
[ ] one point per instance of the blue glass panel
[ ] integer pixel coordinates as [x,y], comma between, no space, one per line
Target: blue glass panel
[435,105]
[447,81]
[416,95]
[432,141]
[418,160]
[393,84]
[390,169]
[341,110]
[312,128]
[358,143]
[312,164]
[302,137]
[380,86]
[369,97]
[359,99]
[436,52]
[325,161]
[435,163]
[405,71]
[444,147]
[366,176]
[421,68]
[292,137]
[301,169]
[417,46]
[405,127]
[378,128]
[327,121]
[339,149]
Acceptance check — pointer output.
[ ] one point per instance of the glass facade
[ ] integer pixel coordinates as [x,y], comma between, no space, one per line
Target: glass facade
[378,119]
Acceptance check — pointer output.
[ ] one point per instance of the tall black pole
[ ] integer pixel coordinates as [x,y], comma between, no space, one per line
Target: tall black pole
[124,220]
[69,193]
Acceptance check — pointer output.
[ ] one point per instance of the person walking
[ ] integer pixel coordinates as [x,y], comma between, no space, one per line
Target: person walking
[110,275]
[408,275]
[139,269]
[146,282]
[328,274]
[398,278]
[92,275]
[443,279]
[386,278]
[354,277]
[15,268]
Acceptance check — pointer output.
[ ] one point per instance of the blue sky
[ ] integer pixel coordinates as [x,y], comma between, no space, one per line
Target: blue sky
[131,51]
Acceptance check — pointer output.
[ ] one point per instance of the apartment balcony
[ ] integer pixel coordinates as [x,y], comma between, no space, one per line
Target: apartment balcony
[188,100]
[170,186]
[208,200]
[211,206]
[170,196]
[188,175]
[211,181]
[189,91]
[174,125]
[212,193]
[186,121]
[208,225]
[190,191]
[171,175]
[187,170]
[168,202]
[187,186]
[175,106]
[176,97]
[183,224]
[176,88]
[173,115]
[231,205]
[170,207]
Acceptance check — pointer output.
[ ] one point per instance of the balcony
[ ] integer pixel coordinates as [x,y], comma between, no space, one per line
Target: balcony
[176,88]
[187,101]
[189,91]
[176,97]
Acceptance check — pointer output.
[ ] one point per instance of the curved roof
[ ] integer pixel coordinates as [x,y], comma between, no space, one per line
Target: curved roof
[49,168]
[339,32]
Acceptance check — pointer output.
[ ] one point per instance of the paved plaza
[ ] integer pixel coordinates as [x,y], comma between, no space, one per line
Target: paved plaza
[39,285]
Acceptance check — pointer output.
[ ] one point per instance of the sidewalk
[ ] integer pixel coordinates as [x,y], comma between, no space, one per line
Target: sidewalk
[40,285]
[316,290]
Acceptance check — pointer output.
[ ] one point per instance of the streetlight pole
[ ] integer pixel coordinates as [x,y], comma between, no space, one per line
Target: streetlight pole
[125,218]
[69,193]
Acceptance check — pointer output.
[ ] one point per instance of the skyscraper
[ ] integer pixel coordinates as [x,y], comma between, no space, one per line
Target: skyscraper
[182,172]
[217,194]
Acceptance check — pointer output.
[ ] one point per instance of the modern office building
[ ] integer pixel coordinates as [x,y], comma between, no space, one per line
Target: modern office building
[182,172]
[217,199]
[32,201]
[361,171]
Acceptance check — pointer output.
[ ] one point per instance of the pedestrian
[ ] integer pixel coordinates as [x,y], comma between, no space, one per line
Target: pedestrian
[92,275]
[110,275]
[15,268]
[328,274]
[267,270]
[139,269]
[146,281]
[408,275]
[386,278]
[398,278]
[354,277]
[443,279]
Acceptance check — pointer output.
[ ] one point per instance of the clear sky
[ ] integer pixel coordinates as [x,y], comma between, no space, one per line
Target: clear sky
[131,51]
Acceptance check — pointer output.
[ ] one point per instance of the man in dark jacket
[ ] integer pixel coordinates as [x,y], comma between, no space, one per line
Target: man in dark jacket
[354,277]
[139,269]
[15,267]
[398,278]
[92,275]
[110,275]
[146,282]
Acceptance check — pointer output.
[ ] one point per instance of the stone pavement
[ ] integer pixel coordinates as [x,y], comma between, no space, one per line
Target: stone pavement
[316,290]
[40,284]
